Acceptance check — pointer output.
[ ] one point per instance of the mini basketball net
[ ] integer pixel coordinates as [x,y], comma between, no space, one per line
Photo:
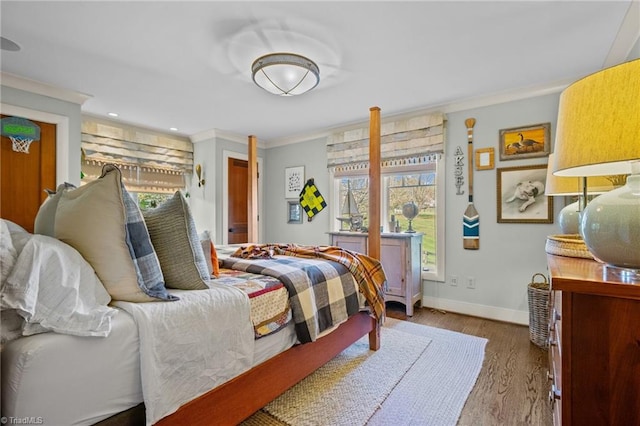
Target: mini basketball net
[21,131]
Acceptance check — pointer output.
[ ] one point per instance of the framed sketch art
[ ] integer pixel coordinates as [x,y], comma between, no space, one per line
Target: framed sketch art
[293,181]
[521,195]
[525,142]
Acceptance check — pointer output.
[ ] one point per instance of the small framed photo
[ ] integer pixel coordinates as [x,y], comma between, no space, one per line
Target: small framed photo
[294,212]
[293,181]
[484,158]
[521,195]
[525,142]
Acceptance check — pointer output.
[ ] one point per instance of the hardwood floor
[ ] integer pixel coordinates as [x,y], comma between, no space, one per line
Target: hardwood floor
[512,387]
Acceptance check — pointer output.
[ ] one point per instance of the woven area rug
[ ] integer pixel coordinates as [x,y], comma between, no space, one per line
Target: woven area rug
[350,390]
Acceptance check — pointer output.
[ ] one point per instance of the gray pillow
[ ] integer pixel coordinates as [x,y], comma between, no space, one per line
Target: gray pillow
[175,238]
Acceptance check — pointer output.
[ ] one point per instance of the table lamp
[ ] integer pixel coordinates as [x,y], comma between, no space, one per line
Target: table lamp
[568,218]
[598,134]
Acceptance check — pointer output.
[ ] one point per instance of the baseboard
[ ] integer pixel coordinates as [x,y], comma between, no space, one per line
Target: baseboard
[482,311]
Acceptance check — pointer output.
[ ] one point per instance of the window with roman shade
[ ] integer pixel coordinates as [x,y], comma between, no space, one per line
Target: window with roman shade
[412,165]
[409,141]
[150,162]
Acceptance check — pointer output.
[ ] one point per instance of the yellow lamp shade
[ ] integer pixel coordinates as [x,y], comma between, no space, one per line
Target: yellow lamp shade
[598,129]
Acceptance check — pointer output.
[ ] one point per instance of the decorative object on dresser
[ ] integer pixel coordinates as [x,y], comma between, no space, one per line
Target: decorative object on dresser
[410,210]
[594,348]
[400,256]
[350,214]
[597,135]
[568,219]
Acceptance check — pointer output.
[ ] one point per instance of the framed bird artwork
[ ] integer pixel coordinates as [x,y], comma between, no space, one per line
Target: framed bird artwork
[531,141]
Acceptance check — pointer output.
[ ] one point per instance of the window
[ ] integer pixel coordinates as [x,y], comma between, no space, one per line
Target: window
[421,184]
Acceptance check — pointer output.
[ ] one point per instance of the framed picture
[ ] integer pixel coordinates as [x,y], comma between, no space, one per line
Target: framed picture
[294,212]
[525,142]
[293,181]
[521,197]
[484,158]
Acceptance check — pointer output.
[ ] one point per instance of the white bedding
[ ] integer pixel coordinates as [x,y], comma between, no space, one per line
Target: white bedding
[55,376]
[72,380]
[191,345]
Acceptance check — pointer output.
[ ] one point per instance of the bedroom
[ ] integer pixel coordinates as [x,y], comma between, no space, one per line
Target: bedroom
[496,296]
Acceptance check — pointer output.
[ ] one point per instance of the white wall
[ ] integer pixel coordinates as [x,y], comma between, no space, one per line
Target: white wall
[509,253]
[313,156]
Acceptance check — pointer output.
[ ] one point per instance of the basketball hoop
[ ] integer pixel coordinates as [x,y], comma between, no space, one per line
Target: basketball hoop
[20,144]
[21,131]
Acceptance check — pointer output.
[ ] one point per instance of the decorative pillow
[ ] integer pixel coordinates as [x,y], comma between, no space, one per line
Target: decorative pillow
[210,254]
[205,242]
[46,217]
[214,260]
[105,225]
[175,238]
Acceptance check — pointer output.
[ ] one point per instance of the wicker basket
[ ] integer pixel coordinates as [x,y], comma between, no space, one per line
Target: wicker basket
[538,294]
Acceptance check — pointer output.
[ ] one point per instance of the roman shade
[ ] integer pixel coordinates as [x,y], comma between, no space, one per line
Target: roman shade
[150,162]
[408,141]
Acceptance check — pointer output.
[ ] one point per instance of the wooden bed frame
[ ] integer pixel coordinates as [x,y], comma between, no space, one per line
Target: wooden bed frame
[237,399]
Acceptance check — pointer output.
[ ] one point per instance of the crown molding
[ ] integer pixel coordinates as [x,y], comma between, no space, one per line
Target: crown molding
[213,134]
[463,105]
[44,89]
[628,35]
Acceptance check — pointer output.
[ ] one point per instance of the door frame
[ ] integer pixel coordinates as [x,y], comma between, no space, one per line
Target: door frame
[62,135]
[226,154]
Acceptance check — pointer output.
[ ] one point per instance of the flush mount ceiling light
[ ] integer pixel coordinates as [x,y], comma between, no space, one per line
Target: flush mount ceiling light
[285,74]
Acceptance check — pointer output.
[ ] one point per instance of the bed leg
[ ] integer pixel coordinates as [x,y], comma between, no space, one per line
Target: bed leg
[374,336]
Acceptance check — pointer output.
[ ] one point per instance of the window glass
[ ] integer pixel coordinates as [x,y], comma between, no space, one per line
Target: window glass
[398,189]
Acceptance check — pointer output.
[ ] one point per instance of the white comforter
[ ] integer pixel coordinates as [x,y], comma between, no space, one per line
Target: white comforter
[192,345]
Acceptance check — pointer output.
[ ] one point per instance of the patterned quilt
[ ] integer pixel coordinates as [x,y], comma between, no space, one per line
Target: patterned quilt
[268,297]
[321,293]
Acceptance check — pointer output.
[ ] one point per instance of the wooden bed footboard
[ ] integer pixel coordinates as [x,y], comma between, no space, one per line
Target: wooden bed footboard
[237,399]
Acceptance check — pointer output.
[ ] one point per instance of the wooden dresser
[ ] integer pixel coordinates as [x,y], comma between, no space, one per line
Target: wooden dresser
[594,350]
[400,256]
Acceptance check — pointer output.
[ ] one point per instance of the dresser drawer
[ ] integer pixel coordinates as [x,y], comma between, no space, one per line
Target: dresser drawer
[555,355]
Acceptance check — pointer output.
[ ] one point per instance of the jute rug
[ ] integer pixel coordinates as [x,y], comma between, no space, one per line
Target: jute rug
[421,375]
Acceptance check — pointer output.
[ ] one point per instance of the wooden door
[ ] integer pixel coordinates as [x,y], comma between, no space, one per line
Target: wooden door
[25,176]
[237,190]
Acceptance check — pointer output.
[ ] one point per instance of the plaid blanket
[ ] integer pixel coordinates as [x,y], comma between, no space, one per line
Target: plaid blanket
[319,281]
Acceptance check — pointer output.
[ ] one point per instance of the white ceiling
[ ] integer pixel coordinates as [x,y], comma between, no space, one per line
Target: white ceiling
[162,64]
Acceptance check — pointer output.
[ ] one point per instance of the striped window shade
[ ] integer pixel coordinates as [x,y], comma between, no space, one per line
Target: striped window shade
[150,162]
[409,141]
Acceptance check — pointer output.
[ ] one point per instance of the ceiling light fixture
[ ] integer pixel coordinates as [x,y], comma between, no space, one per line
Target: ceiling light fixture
[285,74]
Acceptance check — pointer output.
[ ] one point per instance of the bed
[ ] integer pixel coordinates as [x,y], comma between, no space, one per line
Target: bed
[46,376]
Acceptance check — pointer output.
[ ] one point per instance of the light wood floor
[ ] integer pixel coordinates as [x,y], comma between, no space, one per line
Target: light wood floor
[512,387]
